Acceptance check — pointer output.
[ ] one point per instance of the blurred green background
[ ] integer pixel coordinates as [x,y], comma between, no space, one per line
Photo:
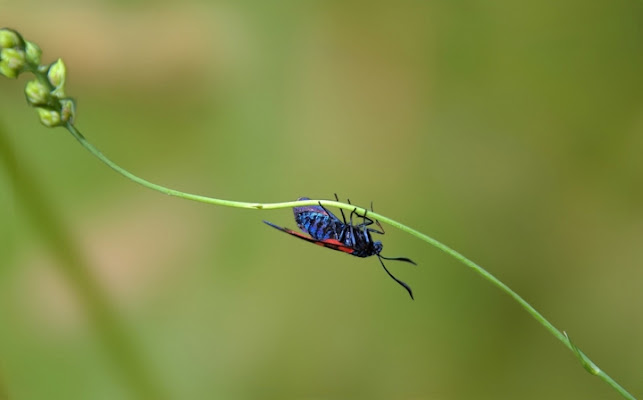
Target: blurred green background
[512,132]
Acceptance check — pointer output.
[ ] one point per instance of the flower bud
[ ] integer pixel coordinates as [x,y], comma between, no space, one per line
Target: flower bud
[68,110]
[8,38]
[57,73]
[7,71]
[33,53]
[12,61]
[49,118]
[59,92]
[37,93]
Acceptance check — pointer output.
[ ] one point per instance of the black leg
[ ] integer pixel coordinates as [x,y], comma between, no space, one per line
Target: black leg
[370,221]
[341,210]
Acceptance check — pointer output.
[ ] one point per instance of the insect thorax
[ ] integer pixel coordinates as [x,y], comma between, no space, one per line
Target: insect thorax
[361,241]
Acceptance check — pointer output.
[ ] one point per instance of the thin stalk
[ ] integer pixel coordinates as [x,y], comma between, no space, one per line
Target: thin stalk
[562,336]
[4,393]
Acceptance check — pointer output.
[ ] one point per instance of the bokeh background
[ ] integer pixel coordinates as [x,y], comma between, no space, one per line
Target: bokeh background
[513,132]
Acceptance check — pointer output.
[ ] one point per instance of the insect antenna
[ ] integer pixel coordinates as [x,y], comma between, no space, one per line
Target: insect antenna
[408,260]
[404,285]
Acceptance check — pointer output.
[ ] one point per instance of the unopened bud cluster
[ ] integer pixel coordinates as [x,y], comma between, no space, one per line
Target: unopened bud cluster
[47,91]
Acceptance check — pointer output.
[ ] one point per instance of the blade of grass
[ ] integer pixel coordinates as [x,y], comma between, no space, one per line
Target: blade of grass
[4,393]
[102,316]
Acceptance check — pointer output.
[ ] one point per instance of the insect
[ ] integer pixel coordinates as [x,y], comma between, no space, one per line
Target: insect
[327,230]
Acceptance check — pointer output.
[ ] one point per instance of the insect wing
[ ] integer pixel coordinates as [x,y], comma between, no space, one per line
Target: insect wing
[329,243]
[335,245]
[313,210]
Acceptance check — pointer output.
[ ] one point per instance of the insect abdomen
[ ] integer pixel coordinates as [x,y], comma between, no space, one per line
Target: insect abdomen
[319,226]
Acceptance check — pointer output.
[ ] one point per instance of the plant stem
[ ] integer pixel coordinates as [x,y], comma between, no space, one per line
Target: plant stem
[586,362]
[4,394]
[103,318]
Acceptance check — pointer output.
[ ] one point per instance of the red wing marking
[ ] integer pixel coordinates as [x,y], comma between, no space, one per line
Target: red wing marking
[329,243]
[334,244]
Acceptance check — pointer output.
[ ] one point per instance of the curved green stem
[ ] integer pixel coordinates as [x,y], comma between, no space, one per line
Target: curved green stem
[66,114]
[4,393]
[586,362]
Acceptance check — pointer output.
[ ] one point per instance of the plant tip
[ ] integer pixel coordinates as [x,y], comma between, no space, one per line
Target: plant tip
[56,75]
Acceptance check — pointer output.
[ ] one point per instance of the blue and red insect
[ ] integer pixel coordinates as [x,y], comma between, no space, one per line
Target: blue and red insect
[326,230]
